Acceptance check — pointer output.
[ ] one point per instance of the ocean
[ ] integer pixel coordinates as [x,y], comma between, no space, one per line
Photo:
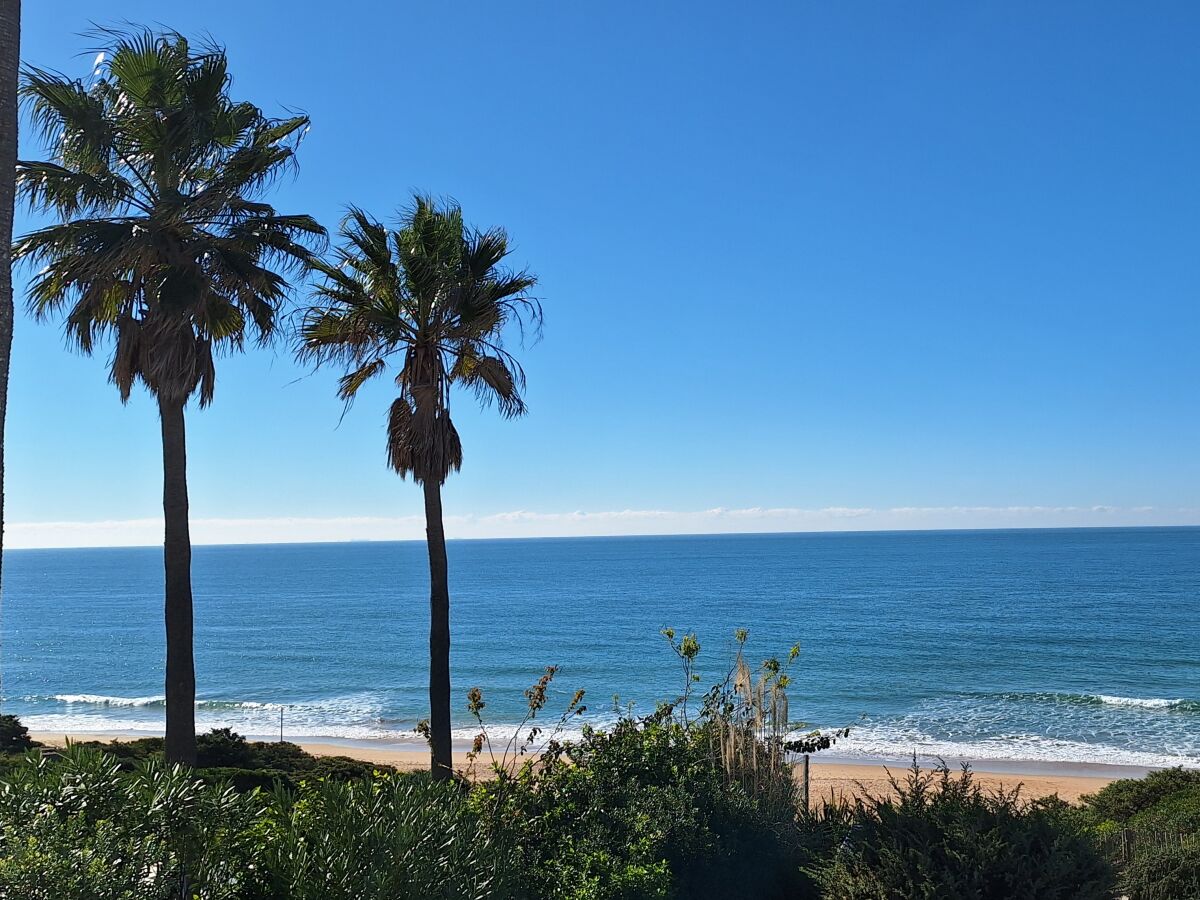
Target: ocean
[1079,646]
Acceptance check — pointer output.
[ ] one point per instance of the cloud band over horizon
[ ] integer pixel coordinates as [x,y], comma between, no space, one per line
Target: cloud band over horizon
[528,524]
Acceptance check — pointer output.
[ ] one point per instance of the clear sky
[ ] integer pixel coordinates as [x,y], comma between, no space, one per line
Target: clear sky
[804,265]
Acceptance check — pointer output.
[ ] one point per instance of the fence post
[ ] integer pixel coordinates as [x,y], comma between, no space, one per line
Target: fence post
[804,793]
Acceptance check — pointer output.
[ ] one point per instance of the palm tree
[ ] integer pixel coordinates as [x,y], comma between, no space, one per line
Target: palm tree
[164,246]
[431,298]
[10,55]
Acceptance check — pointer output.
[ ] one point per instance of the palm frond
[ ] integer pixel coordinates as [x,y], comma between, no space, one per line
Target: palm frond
[156,175]
[351,382]
[432,292]
[493,381]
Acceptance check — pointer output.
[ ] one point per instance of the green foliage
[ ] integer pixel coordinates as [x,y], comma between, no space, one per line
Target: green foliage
[161,240]
[14,737]
[1166,798]
[80,827]
[224,756]
[696,800]
[387,838]
[639,811]
[672,805]
[225,747]
[942,836]
[433,295]
[129,753]
[83,827]
[1151,827]
[1164,872]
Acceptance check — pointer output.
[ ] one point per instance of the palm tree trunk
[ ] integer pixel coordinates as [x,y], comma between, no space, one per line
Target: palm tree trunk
[441,761]
[177,561]
[10,53]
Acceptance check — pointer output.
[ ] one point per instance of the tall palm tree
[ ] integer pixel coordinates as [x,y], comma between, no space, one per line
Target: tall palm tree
[10,56]
[431,299]
[164,246]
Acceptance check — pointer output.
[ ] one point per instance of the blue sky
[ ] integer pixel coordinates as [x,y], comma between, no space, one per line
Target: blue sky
[804,266]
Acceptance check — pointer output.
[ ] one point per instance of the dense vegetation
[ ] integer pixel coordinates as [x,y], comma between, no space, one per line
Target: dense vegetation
[222,756]
[943,836]
[642,811]
[82,827]
[1151,827]
[696,800]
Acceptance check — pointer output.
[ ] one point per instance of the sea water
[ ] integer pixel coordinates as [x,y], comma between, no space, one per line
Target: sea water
[1051,645]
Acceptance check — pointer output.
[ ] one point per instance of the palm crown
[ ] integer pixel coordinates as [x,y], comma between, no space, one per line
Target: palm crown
[433,297]
[163,242]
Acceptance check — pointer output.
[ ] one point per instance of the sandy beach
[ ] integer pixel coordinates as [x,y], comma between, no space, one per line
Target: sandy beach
[841,778]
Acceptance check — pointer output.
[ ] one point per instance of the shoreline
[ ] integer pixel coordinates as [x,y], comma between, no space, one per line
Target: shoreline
[840,776]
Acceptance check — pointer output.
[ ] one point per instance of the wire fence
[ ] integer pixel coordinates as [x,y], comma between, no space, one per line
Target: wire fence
[1124,846]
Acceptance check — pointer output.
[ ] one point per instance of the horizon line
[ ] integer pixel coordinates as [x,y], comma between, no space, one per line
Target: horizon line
[524,524]
[864,532]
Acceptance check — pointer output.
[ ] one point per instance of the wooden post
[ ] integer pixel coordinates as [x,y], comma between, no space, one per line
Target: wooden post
[281,724]
[804,793]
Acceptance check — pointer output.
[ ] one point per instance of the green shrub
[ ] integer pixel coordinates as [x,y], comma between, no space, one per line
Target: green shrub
[1124,800]
[942,836]
[639,811]
[82,827]
[128,753]
[1165,872]
[1179,812]
[79,827]
[246,780]
[223,747]
[390,838]
[697,800]
[14,737]
[224,755]
[1149,827]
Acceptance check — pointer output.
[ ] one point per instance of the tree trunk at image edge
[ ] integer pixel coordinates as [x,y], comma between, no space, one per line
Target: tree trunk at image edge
[441,762]
[177,561]
[10,53]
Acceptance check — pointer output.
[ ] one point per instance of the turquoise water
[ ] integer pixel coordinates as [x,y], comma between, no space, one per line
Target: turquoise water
[1072,645]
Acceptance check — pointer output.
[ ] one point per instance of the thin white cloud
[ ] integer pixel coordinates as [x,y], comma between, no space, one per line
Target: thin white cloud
[579,523]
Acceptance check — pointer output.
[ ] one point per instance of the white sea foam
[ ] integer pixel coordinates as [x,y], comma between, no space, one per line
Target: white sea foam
[102,700]
[1152,703]
[972,728]
[867,742]
[155,701]
[888,742]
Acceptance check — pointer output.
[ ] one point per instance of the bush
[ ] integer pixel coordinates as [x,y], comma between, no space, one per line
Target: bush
[942,836]
[1149,827]
[223,755]
[82,827]
[223,747]
[697,800]
[391,838]
[639,811]
[1125,801]
[1165,872]
[128,753]
[14,737]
